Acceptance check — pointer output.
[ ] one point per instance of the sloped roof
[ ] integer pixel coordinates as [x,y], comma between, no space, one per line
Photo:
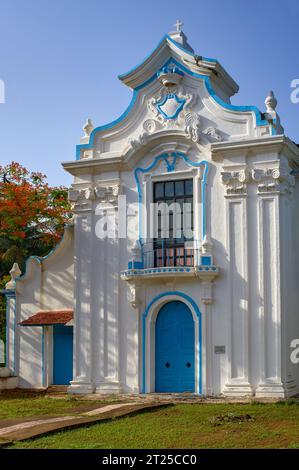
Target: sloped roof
[170,48]
[49,317]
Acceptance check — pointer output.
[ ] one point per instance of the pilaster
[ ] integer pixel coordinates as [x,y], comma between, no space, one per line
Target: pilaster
[84,227]
[235,179]
[272,184]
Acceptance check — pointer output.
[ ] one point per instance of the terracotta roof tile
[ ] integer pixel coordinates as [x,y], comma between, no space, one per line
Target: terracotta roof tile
[49,317]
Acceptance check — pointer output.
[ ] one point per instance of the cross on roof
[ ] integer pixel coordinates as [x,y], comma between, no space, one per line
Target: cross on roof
[178,25]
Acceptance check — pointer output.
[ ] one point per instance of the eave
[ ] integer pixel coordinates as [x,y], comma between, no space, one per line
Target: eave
[96,165]
[167,48]
[276,143]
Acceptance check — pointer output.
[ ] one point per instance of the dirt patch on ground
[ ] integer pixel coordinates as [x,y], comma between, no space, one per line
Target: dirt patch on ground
[230,418]
[21,393]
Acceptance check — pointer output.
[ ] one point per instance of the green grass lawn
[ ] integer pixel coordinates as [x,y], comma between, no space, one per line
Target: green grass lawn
[25,405]
[186,426]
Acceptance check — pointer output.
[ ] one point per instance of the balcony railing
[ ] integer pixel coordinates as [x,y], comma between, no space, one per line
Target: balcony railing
[168,253]
[162,258]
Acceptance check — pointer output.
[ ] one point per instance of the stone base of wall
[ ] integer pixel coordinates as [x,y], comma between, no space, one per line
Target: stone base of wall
[8,383]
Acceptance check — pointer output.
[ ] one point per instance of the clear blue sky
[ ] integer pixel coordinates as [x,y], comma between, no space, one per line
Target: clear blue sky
[60,59]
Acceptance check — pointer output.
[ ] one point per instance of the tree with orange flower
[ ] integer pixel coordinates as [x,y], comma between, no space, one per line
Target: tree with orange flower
[32,215]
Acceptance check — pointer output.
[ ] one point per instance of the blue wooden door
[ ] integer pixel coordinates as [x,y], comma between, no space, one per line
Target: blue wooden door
[62,354]
[175,356]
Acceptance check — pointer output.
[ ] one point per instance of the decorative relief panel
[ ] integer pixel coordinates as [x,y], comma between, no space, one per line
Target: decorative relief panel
[277,180]
[273,179]
[213,132]
[235,181]
[81,198]
[168,104]
[173,108]
[192,126]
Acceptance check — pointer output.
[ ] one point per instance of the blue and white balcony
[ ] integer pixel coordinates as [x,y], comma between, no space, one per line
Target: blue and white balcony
[169,258]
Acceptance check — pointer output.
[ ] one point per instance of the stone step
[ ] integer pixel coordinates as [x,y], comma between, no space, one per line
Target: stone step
[57,389]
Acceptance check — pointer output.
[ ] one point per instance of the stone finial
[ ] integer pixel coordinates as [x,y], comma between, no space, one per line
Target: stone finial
[270,102]
[136,251]
[207,245]
[14,273]
[206,251]
[271,114]
[88,127]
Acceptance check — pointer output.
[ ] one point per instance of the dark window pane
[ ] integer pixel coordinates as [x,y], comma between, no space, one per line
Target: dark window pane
[189,187]
[170,251]
[159,190]
[179,188]
[169,189]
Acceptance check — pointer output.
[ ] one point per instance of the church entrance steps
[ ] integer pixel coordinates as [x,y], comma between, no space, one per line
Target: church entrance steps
[17,430]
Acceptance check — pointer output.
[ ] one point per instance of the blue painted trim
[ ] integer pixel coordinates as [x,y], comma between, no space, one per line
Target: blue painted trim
[207,80]
[43,358]
[273,130]
[183,269]
[10,294]
[180,101]
[6,332]
[135,265]
[144,316]
[40,259]
[123,75]
[106,126]
[164,38]
[206,260]
[206,59]
[171,168]
[212,93]
[170,70]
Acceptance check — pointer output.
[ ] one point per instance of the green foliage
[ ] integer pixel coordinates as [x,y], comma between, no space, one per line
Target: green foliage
[32,217]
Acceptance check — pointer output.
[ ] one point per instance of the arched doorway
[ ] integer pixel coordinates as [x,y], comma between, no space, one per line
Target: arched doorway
[174,349]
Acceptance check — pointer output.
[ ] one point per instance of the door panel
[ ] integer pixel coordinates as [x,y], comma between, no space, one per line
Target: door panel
[175,356]
[62,354]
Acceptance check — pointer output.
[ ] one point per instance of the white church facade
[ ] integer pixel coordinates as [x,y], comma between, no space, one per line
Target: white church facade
[149,307]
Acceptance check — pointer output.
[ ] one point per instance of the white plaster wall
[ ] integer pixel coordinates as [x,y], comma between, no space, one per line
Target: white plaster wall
[246,228]
[46,285]
[245,315]
[290,295]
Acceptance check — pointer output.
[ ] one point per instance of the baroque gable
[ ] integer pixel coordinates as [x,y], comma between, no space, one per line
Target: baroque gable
[175,90]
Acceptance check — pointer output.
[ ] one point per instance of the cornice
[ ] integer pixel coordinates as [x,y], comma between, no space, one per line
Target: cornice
[276,143]
[95,165]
